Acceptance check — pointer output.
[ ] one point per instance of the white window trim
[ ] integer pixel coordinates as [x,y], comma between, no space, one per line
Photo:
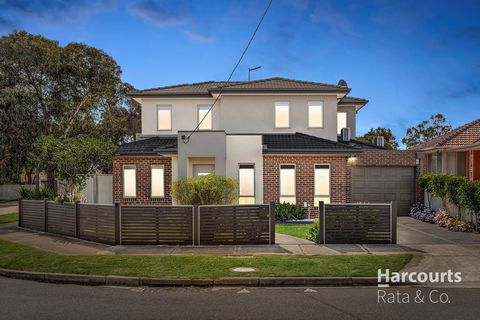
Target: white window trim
[329,182]
[254,186]
[323,115]
[280,195]
[198,116]
[165,107]
[275,116]
[123,181]
[151,180]
[346,121]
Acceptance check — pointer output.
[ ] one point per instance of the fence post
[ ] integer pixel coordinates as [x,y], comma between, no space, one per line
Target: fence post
[273,214]
[321,224]
[45,212]
[196,225]
[77,224]
[20,212]
[118,229]
[393,215]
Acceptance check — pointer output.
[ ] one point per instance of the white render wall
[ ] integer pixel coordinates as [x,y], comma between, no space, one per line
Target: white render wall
[246,149]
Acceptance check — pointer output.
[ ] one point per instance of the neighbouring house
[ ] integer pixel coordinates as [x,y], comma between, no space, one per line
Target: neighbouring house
[282,140]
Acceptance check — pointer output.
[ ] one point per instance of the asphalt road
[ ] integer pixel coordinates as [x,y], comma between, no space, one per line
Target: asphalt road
[21,299]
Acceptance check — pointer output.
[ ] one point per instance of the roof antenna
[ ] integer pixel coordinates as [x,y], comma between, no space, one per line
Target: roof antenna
[252,69]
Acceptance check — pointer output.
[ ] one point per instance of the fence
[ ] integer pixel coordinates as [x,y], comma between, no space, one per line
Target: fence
[177,225]
[357,223]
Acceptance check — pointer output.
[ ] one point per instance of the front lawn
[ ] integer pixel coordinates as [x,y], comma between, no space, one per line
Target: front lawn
[20,257]
[9,217]
[296,230]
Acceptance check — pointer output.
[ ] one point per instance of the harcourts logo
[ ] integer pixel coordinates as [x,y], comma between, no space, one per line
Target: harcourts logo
[386,277]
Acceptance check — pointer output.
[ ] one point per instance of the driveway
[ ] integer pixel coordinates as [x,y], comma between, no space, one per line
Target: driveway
[8,207]
[440,250]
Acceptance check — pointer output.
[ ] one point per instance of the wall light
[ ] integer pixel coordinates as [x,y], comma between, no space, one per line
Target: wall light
[352,159]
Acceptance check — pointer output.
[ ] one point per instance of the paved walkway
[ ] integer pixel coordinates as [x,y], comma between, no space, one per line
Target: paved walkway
[8,207]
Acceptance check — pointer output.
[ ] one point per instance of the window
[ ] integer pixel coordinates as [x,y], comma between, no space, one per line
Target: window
[246,182]
[341,121]
[287,183]
[202,169]
[157,175]
[322,183]
[164,118]
[282,114]
[315,114]
[129,181]
[203,112]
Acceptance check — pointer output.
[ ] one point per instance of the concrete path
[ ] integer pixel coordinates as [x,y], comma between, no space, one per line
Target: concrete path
[281,238]
[8,207]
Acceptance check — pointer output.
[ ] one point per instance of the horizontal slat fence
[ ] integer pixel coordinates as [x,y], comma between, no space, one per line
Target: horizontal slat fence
[61,218]
[356,223]
[97,223]
[236,224]
[32,214]
[157,225]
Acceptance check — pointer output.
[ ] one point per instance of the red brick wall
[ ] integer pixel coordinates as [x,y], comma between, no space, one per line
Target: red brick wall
[143,166]
[304,164]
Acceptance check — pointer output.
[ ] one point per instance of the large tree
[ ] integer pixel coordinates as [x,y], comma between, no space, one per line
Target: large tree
[386,133]
[426,130]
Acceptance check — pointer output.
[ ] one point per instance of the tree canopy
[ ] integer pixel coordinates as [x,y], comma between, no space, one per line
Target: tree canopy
[426,130]
[386,133]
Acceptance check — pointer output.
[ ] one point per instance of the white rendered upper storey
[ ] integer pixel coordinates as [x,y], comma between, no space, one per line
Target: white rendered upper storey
[274,105]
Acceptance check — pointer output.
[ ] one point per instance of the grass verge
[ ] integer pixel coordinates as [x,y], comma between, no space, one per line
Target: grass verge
[20,257]
[9,217]
[296,230]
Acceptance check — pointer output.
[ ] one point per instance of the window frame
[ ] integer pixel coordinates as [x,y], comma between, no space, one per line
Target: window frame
[254,187]
[123,180]
[280,195]
[208,106]
[329,182]
[288,112]
[323,114]
[164,107]
[339,130]
[151,180]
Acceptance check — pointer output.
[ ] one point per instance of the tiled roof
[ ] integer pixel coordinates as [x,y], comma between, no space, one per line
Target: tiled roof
[302,143]
[353,100]
[149,146]
[461,136]
[264,85]
[361,145]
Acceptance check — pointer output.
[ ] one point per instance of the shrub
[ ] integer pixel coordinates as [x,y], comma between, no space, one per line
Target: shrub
[312,233]
[287,211]
[443,219]
[452,189]
[461,226]
[437,185]
[469,195]
[205,190]
[422,213]
[34,194]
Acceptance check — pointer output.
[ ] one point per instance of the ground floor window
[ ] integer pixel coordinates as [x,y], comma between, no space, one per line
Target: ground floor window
[287,183]
[246,184]
[322,183]
[157,181]
[129,181]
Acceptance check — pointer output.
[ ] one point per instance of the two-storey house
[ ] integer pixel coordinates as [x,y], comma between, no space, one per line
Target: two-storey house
[279,138]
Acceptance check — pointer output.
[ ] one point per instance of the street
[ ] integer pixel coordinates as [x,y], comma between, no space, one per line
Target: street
[21,299]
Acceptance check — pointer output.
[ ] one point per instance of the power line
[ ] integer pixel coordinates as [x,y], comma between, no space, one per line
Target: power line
[187,139]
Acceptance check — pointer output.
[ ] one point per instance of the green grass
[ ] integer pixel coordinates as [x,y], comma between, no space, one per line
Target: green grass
[296,230]
[9,217]
[20,257]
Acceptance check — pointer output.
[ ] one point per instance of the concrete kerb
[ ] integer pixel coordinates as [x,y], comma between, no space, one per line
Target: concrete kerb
[95,280]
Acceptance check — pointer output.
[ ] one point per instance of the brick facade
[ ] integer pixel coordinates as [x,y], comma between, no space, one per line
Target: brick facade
[143,170]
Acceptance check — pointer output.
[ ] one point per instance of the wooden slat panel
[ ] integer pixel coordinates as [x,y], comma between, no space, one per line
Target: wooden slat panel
[33,214]
[61,218]
[97,223]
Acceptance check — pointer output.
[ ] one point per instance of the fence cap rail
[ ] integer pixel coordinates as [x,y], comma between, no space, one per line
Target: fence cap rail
[234,205]
[360,204]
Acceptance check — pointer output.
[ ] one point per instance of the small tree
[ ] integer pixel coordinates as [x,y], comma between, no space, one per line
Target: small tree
[438,186]
[209,189]
[469,196]
[452,188]
[386,133]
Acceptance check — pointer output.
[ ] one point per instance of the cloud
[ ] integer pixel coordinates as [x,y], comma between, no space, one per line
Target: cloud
[199,37]
[334,18]
[159,14]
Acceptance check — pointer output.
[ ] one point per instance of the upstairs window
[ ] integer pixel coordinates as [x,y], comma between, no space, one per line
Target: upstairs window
[287,184]
[322,184]
[341,121]
[246,183]
[315,114]
[157,181]
[203,111]
[282,114]
[129,181]
[164,118]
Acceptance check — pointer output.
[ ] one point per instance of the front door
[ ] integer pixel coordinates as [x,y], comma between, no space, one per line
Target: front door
[202,169]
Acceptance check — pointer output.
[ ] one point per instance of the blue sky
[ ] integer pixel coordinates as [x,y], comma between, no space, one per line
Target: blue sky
[409,58]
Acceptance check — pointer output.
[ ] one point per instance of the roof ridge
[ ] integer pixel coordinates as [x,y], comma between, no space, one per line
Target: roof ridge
[291,80]
[455,132]
[185,84]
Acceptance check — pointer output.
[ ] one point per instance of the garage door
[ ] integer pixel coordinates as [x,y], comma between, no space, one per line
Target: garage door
[384,184]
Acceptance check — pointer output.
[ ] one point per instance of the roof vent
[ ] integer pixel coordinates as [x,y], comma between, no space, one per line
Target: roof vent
[345,134]
[342,83]
[379,141]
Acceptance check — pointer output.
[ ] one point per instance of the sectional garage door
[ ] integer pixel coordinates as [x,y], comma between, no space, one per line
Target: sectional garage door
[384,184]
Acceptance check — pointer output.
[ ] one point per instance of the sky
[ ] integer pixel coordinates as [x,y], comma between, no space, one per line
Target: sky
[410,59]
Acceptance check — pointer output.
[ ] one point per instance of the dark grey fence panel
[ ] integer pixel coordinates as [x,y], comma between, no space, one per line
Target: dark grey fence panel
[236,224]
[357,223]
[61,218]
[157,225]
[96,223]
[33,214]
